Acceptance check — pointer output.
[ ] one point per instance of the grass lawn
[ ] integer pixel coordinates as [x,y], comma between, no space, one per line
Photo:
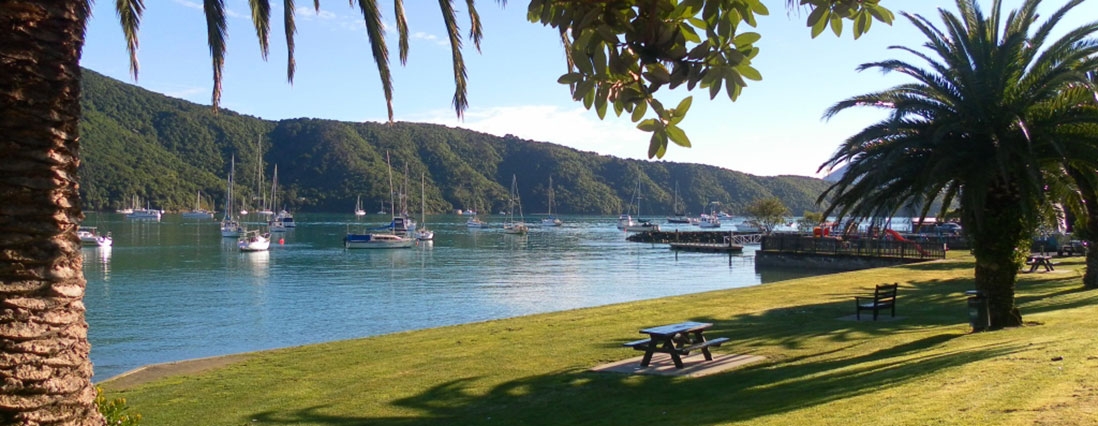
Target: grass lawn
[925,368]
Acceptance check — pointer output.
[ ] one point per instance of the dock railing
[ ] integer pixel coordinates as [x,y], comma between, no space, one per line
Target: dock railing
[796,243]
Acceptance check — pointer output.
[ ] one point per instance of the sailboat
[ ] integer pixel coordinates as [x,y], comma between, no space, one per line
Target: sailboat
[358,207]
[474,222]
[402,223]
[378,240]
[262,207]
[550,220]
[283,219]
[512,226]
[198,212]
[422,233]
[626,222]
[678,209]
[230,228]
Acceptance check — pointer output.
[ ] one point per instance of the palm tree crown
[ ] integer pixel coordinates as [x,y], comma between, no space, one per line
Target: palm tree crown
[997,107]
[129,16]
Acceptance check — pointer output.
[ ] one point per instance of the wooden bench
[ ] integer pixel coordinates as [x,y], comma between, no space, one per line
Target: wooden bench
[884,297]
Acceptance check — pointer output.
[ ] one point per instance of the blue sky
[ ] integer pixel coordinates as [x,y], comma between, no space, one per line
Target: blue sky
[774,128]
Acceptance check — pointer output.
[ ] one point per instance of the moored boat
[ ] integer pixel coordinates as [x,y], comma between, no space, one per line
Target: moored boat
[377,241]
[89,236]
[254,241]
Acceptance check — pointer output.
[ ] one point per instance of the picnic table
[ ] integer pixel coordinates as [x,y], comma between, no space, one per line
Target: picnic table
[1035,261]
[676,340]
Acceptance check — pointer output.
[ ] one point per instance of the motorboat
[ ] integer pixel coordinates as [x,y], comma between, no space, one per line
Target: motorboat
[254,241]
[90,237]
[709,222]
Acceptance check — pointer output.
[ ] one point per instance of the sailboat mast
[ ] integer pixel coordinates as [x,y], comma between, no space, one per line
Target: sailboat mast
[392,203]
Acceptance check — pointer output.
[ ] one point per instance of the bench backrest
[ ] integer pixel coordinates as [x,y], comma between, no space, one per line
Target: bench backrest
[885,292]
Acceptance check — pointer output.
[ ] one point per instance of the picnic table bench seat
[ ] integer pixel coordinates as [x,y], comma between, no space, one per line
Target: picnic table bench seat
[642,345]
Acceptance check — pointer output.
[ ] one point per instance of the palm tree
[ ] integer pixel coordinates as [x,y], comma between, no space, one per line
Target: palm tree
[998,106]
[43,335]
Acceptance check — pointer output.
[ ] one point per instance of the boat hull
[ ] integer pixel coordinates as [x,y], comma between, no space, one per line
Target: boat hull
[376,241]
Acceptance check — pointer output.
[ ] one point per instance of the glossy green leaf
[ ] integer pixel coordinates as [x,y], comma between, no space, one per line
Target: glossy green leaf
[749,73]
[678,136]
[836,25]
[639,111]
[570,78]
[746,39]
[649,125]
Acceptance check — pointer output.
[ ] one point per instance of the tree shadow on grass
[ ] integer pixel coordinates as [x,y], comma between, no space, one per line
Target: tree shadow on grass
[783,384]
[577,397]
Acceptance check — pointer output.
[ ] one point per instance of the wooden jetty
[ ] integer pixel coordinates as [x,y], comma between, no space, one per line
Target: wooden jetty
[708,247]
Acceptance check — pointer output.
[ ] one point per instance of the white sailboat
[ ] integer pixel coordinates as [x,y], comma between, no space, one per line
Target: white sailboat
[550,220]
[422,233]
[358,207]
[626,222]
[512,226]
[198,212]
[230,228]
[283,220]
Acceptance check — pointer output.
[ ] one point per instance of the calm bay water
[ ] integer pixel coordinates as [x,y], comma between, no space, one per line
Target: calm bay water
[175,290]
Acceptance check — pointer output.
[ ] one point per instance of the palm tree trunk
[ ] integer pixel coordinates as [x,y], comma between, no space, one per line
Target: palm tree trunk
[1089,232]
[997,246]
[45,372]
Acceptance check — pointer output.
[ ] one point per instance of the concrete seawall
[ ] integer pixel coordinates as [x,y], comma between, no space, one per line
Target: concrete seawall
[829,262]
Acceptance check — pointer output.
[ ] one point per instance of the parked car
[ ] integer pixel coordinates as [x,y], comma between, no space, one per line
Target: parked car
[948,228]
[1072,247]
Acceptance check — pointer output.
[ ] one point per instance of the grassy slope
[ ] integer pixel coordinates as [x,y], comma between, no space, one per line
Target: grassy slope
[924,369]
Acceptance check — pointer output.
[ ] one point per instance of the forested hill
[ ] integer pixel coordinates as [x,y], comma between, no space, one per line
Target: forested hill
[164,150]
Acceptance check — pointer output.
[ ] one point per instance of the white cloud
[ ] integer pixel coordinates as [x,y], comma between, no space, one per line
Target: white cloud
[198,6]
[420,35]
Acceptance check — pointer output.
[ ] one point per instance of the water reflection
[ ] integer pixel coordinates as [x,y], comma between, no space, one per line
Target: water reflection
[258,263]
[97,260]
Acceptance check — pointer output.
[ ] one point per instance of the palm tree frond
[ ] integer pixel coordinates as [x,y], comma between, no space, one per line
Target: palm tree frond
[215,37]
[290,28]
[375,31]
[129,15]
[460,101]
[261,18]
[402,30]
[475,31]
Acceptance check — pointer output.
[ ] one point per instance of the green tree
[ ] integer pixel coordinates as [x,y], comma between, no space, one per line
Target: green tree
[46,370]
[768,212]
[998,106]
[809,220]
[621,52]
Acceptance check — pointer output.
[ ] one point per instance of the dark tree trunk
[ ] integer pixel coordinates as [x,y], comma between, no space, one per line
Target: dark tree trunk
[1089,231]
[45,373]
[998,247]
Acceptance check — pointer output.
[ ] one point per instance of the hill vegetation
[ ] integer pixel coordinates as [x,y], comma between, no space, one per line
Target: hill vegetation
[162,150]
